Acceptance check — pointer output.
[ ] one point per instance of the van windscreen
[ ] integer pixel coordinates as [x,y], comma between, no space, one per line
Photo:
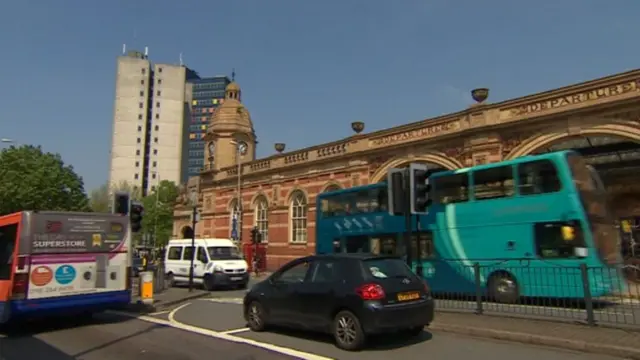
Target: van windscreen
[224,253]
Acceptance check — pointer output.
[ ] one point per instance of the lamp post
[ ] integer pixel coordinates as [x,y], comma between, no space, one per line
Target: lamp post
[7,141]
[241,150]
[194,220]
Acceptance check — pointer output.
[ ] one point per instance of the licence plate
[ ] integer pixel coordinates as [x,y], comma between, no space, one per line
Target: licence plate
[236,278]
[408,296]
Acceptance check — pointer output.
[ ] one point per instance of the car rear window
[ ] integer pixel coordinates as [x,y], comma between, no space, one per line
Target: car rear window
[387,268]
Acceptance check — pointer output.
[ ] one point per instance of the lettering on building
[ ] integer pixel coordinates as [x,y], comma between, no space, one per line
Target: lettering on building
[559,102]
[415,134]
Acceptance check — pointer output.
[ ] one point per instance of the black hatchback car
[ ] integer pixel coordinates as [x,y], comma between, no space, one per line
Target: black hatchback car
[349,296]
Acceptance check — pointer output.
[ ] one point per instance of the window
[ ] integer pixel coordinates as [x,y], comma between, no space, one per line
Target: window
[137,152]
[142,82]
[157,104]
[157,116]
[188,253]
[141,105]
[224,253]
[324,271]
[157,128]
[136,176]
[387,268]
[558,239]
[139,116]
[426,246]
[139,140]
[153,176]
[155,140]
[139,128]
[155,163]
[202,255]
[8,239]
[155,151]
[153,188]
[493,183]
[295,274]
[141,93]
[158,92]
[451,189]
[298,216]
[538,177]
[262,218]
[137,163]
[143,70]
[159,81]
[175,253]
[160,69]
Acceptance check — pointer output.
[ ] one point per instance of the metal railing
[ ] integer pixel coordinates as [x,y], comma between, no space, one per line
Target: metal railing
[542,290]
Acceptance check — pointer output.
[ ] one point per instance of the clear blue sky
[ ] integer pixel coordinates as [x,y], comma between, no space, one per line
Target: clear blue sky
[307,68]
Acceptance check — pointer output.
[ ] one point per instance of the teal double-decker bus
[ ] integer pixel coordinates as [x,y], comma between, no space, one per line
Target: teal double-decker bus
[536,226]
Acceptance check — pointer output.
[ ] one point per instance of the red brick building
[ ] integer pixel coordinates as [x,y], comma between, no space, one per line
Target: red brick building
[601,118]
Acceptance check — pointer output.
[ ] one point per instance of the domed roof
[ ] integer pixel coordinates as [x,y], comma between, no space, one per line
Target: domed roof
[231,114]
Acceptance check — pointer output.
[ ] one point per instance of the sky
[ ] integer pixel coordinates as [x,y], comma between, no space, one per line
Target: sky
[307,68]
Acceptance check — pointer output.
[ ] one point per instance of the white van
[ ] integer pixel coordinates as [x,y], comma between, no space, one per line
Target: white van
[218,262]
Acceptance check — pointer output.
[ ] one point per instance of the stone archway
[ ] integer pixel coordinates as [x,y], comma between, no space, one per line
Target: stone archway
[433,158]
[625,130]
[186,232]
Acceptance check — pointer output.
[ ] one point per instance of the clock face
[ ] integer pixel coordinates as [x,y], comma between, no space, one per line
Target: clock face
[243,147]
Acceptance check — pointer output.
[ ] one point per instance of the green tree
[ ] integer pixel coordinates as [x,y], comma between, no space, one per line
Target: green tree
[100,198]
[157,221]
[34,180]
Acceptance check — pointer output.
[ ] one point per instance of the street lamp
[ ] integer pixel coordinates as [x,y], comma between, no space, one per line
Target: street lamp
[241,150]
[193,197]
[7,141]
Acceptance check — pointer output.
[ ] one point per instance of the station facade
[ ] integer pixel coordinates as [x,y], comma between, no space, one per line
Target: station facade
[599,118]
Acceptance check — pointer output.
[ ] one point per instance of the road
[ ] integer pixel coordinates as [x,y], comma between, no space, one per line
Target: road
[223,318]
[109,337]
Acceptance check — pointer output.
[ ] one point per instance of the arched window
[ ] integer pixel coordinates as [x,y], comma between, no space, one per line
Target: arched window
[235,220]
[332,187]
[298,217]
[261,217]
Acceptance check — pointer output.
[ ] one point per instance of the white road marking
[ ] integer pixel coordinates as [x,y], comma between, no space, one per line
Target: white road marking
[235,331]
[221,335]
[238,301]
[160,312]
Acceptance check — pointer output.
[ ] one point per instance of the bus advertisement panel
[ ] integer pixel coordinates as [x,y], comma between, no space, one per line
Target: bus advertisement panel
[519,228]
[77,262]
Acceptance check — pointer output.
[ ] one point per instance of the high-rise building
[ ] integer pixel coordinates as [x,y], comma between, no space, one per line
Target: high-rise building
[150,127]
[207,95]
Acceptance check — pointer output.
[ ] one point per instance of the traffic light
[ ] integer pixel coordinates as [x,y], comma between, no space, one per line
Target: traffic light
[120,203]
[396,191]
[255,236]
[135,216]
[420,188]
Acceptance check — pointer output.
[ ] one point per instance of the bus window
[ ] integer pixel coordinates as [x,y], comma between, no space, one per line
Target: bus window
[558,239]
[538,177]
[357,244]
[426,245]
[493,183]
[364,202]
[324,208]
[451,188]
[8,235]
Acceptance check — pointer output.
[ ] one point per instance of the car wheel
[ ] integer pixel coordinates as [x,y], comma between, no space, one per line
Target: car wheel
[414,331]
[348,332]
[503,288]
[209,283]
[255,316]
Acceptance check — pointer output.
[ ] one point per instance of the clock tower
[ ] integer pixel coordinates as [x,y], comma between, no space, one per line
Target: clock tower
[230,136]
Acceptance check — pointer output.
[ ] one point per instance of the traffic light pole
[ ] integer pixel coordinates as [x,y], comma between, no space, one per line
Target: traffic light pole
[194,220]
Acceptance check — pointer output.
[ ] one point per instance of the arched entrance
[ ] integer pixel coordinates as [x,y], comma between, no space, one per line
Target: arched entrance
[187,232]
[433,160]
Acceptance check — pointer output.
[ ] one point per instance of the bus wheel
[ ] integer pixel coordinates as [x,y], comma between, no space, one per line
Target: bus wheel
[503,288]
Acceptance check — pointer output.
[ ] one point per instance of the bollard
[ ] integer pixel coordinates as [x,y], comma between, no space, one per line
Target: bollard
[146,287]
